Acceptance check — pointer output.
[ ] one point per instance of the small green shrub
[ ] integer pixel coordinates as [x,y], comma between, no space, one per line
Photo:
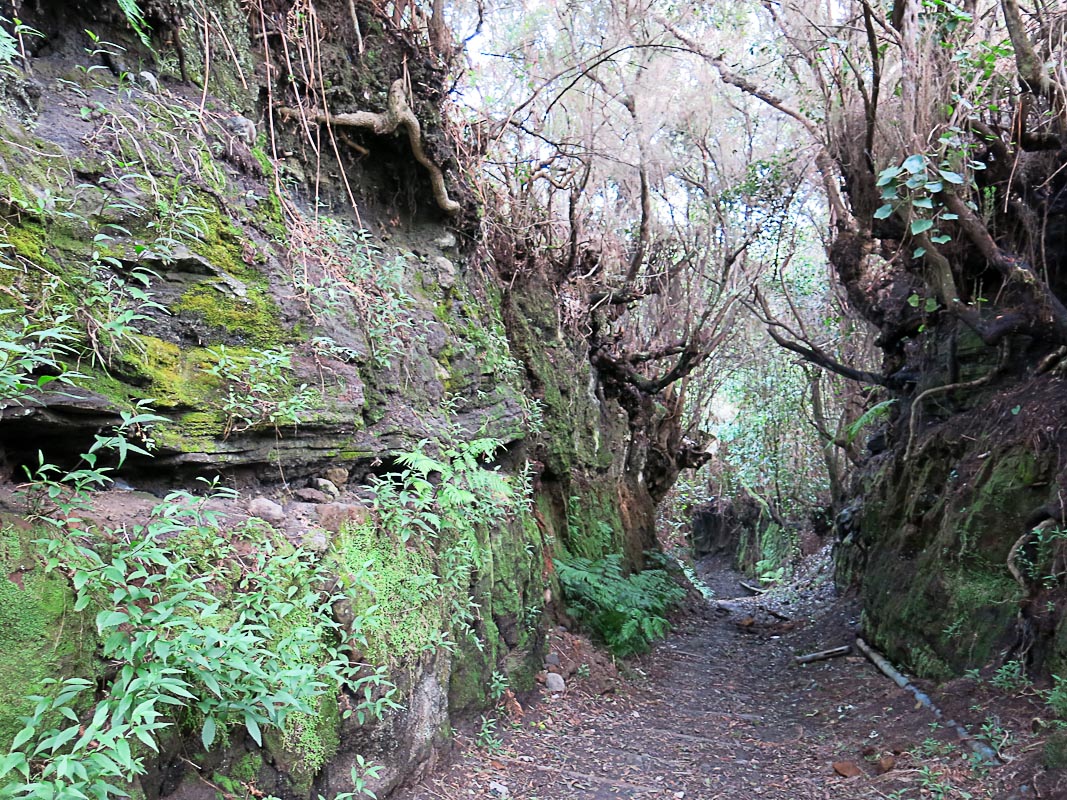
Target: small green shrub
[1056,697]
[259,391]
[627,611]
[1011,677]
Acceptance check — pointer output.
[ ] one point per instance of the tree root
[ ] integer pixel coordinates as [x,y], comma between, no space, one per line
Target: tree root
[398,113]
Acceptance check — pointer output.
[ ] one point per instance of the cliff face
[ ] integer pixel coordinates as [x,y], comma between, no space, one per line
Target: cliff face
[955,537]
[307,313]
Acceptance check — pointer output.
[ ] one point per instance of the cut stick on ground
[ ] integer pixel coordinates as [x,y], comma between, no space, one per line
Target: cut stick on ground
[778,614]
[887,669]
[751,588]
[823,655]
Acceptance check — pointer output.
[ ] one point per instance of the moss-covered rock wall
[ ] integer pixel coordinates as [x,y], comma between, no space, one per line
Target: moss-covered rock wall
[306,324]
[956,534]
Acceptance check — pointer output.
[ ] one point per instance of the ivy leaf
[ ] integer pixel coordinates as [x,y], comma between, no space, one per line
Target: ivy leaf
[950,215]
[913,301]
[931,305]
[941,238]
[883,211]
[923,202]
[919,252]
[886,176]
[915,163]
[921,226]
[934,187]
[951,177]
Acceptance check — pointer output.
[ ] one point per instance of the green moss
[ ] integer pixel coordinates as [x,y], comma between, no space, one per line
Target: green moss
[1055,752]
[308,743]
[268,214]
[253,318]
[1000,498]
[399,581]
[594,527]
[40,637]
[247,768]
[173,377]
[925,663]
[468,683]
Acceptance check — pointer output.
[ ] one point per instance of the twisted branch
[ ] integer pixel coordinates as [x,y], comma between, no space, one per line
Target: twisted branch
[397,114]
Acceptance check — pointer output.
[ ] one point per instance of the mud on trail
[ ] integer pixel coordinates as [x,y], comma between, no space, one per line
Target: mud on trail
[721,710]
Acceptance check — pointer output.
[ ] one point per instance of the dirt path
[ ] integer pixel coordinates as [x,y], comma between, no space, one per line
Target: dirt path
[720,710]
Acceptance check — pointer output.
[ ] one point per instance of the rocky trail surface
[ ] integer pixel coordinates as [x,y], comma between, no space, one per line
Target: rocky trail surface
[721,710]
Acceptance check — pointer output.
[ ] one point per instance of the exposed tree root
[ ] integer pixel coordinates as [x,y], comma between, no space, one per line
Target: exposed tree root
[398,113]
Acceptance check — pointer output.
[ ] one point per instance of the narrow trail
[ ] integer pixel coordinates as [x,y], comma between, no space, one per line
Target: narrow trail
[720,710]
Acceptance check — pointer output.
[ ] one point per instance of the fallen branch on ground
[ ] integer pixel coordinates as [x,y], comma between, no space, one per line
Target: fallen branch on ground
[823,655]
[887,669]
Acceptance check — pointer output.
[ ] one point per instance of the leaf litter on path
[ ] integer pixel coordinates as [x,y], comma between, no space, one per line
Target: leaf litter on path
[719,710]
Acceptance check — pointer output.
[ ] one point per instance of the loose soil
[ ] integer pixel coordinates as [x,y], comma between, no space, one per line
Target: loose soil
[721,710]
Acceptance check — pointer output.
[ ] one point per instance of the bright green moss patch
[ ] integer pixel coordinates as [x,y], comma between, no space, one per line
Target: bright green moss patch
[396,591]
[173,377]
[40,637]
[312,739]
[253,318]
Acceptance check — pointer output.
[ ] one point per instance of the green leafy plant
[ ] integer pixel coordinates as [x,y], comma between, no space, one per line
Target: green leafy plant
[998,737]
[426,539]
[627,611]
[870,416]
[32,354]
[487,737]
[135,17]
[184,656]
[498,685]
[201,632]
[258,390]
[1011,676]
[9,46]
[1056,697]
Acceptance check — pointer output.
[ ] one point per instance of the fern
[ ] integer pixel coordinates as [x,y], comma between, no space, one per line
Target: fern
[135,17]
[875,412]
[628,612]
[9,47]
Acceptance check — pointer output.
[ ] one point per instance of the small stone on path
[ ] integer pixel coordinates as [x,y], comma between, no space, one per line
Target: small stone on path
[309,495]
[555,683]
[338,476]
[847,769]
[267,510]
[326,486]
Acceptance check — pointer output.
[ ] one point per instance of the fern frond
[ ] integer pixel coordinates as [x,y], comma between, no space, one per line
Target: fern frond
[135,17]
[875,412]
[9,47]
